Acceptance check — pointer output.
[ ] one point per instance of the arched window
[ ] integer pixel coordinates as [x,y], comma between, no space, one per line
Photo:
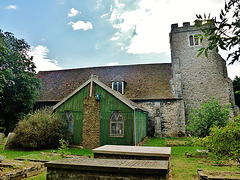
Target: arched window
[191,40]
[117,124]
[68,117]
[194,40]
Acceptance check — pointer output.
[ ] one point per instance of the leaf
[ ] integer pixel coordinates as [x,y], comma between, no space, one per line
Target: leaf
[199,54]
[206,52]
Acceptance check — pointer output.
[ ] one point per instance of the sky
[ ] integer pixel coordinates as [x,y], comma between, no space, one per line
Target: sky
[66,34]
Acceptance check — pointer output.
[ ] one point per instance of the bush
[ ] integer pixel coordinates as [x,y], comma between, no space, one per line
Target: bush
[41,130]
[210,114]
[224,142]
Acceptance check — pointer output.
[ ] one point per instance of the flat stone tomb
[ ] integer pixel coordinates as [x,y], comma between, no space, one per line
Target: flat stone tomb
[132,152]
[85,168]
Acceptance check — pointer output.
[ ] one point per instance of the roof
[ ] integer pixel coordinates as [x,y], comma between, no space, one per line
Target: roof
[116,94]
[144,81]
[118,78]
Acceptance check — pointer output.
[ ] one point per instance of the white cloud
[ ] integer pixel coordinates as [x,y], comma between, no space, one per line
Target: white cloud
[145,27]
[73,12]
[81,25]
[233,70]
[62,2]
[99,5]
[40,59]
[112,64]
[12,7]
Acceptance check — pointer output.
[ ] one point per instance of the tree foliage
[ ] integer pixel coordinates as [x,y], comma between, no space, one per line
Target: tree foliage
[224,33]
[236,88]
[18,84]
[41,130]
[224,142]
[210,114]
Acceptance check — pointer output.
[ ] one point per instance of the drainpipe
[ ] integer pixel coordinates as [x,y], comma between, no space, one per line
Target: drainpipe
[134,121]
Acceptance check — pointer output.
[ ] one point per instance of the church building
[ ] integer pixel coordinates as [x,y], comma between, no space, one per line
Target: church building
[122,104]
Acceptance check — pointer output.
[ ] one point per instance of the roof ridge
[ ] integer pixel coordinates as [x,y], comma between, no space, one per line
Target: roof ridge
[124,65]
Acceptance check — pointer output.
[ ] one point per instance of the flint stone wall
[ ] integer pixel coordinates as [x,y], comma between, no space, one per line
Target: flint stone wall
[165,117]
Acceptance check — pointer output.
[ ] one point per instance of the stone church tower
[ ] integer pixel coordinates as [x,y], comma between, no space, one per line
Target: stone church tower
[197,79]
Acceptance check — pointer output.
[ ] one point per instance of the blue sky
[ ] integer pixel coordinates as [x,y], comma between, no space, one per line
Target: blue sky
[74,34]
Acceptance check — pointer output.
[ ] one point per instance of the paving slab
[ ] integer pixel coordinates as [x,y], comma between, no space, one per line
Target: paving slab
[111,167]
[140,151]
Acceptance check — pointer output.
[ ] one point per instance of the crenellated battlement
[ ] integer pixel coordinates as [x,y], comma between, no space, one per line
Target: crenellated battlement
[186,27]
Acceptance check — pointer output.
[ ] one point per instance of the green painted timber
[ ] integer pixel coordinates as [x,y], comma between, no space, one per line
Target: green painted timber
[75,106]
[108,104]
[141,125]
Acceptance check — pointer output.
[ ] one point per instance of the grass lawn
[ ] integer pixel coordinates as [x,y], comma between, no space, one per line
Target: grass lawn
[182,168]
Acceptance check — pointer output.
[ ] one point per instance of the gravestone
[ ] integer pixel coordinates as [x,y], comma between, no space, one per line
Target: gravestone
[2,136]
[10,141]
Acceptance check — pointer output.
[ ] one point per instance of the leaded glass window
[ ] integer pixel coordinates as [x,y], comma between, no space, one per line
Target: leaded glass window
[117,124]
[68,117]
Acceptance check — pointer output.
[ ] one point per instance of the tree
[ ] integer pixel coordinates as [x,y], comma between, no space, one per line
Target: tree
[210,114]
[236,88]
[224,142]
[18,84]
[224,33]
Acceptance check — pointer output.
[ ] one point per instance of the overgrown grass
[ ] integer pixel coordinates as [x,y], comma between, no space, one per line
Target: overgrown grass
[183,168]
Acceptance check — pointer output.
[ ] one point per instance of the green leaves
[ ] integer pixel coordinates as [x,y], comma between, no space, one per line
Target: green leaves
[210,114]
[222,34]
[18,84]
[224,142]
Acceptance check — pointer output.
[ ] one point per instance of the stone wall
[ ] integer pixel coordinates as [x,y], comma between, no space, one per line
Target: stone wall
[91,123]
[197,79]
[165,118]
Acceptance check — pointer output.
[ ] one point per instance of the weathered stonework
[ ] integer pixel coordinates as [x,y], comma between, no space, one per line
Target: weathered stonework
[165,118]
[91,123]
[198,79]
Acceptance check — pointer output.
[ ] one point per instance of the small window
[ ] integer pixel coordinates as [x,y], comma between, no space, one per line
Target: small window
[115,86]
[118,86]
[68,117]
[117,124]
[194,40]
[191,40]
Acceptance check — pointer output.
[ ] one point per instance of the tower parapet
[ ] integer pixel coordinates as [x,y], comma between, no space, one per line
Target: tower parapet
[197,79]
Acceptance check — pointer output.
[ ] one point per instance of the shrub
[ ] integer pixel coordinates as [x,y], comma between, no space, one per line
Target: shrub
[210,114]
[224,142]
[41,130]
[63,149]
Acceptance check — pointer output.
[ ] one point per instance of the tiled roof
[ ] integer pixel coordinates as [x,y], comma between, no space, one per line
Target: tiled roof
[145,81]
[118,95]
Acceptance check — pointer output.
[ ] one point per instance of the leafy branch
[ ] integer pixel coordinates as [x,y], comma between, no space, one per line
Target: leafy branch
[223,34]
